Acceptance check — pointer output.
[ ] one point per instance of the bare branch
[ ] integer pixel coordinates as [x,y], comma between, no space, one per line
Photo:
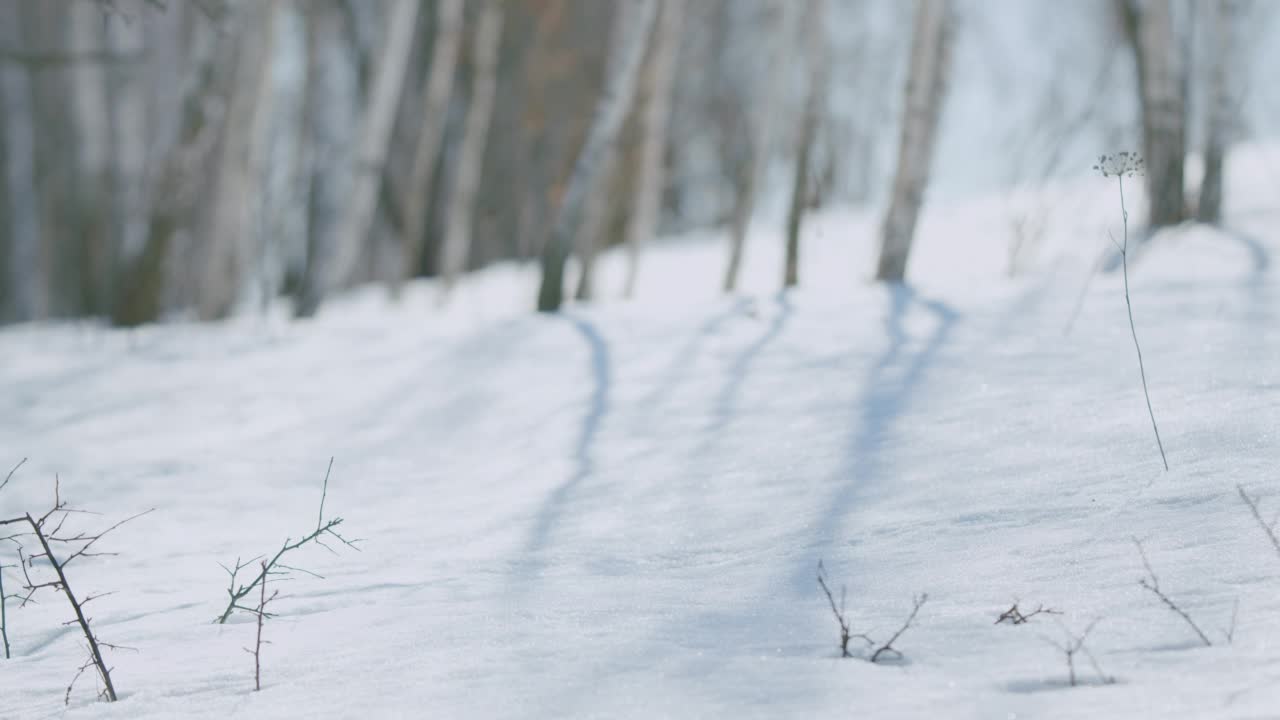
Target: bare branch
[9,477]
[1252,503]
[1152,584]
[916,603]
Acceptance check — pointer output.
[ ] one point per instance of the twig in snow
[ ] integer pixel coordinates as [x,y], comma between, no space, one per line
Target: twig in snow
[916,603]
[1152,584]
[262,615]
[48,530]
[1267,527]
[1072,645]
[1230,632]
[1015,616]
[274,566]
[838,611]
[1120,166]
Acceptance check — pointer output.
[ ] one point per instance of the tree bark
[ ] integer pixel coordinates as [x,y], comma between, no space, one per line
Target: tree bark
[230,234]
[26,299]
[925,92]
[657,92]
[457,239]
[754,170]
[1219,114]
[815,32]
[333,270]
[1150,29]
[435,109]
[630,32]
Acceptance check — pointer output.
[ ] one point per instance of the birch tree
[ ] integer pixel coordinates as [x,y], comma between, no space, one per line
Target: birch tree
[657,97]
[815,38]
[1150,28]
[632,24]
[229,242]
[1221,103]
[334,269]
[457,239]
[435,108]
[23,261]
[752,172]
[927,71]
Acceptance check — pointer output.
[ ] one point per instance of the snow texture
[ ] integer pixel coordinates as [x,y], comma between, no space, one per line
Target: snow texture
[618,512]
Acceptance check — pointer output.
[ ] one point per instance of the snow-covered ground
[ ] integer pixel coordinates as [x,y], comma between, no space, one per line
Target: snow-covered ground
[619,511]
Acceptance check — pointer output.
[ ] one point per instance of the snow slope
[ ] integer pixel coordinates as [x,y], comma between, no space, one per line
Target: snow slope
[619,512]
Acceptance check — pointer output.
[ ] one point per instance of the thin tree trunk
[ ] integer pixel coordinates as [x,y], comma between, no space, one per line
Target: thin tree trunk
[658,88]
[756,167]
[27,298]
[231,232]
[1161,88]
[435,109]
[631,29]
[332,271]
[457,239]
[591,228]
[922,111]
[1221,25]
[815,30]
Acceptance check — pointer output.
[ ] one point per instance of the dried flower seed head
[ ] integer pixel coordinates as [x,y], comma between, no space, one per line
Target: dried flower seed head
[1121,164]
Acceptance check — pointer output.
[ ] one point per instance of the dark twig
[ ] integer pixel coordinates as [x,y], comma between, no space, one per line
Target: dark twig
[1073,644]
[1015,616]
[94,652]
[1230,632]
[1268,528]
[262,615]
[4,618]
[1152,584]
[916,603]
[9,477]
[838,611]
[236,593]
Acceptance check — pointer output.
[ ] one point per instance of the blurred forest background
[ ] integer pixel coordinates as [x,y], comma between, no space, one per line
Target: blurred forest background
[198,158]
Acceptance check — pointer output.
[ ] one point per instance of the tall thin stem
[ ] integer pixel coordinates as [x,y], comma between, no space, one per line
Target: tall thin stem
[1124,260]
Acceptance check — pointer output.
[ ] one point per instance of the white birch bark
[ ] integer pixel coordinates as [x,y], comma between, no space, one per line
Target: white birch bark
[922,110]
[1164,111]
[657,92]
[484,61]
[435,109]
[24,264]
[631,28]
[354,225]
[757,165]
[1221,100]
[815,38]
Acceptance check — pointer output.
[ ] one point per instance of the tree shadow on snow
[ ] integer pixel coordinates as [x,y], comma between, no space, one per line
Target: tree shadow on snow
[727,401]
[887,391]
[689,352]
[583,463]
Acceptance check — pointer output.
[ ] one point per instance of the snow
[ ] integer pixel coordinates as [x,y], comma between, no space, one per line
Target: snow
[619,511]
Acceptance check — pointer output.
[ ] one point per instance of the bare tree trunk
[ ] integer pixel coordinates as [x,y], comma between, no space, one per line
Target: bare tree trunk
[756,167]
[922,111]
[484,60]
[591,228]
[27,299]
[815,34]
[435,109]
[631,29]
[231,232]
[332,271]
[657,92]
[1161,91]
[1221,102]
